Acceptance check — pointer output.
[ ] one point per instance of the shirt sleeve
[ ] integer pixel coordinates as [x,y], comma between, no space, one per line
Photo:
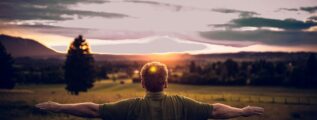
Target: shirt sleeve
[197,110]
[115,110]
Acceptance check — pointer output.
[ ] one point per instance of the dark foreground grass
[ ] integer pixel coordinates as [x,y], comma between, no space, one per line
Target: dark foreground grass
[19,104]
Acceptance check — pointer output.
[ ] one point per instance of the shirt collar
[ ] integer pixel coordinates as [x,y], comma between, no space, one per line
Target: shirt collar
[154,95]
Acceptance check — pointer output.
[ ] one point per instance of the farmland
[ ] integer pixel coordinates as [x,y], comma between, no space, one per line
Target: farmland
[279,103]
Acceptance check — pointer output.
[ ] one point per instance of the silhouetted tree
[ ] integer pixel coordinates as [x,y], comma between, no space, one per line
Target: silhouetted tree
[192,67]
[280,73]
[231,67]
[263,73]
[230,72]
[311,71]
[244,73]
[6,69]
[79,67]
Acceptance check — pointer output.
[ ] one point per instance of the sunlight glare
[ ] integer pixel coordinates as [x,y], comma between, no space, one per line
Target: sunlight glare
[153,69]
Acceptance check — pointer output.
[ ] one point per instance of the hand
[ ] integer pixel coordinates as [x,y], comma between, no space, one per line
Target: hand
[50,106]
[252,110]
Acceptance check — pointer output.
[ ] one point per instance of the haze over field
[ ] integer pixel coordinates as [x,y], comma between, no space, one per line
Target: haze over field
[165,26]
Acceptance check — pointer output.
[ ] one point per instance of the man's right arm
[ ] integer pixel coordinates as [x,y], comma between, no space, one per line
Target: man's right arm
[222,111]
[90,110]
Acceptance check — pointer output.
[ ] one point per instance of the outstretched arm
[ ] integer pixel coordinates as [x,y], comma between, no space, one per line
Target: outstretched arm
[79,109]
[222,111]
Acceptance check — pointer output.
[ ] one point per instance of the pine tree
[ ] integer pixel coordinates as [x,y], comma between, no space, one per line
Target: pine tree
[6,69]
[79,67]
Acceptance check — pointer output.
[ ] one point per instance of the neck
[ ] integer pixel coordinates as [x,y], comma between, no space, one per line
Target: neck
[155,95]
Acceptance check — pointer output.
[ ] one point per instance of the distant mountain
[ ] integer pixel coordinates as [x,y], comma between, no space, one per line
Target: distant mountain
[20,47]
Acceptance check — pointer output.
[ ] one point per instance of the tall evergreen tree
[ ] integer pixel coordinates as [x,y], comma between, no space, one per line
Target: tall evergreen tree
[6,69]
[79,67]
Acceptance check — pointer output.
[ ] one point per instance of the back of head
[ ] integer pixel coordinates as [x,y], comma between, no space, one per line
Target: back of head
[154,76]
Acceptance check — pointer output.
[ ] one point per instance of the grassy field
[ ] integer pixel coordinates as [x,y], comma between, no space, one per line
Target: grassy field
[279,103]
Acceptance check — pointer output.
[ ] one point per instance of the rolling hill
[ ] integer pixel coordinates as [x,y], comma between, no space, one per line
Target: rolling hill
[20,47]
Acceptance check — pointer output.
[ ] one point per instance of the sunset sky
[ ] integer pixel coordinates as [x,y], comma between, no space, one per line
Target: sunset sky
[165,26]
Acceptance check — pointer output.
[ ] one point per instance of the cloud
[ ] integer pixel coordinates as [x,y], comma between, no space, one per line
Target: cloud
[48,10]
[240,12]
[312,9]
[168,5]
[50,2]
[177,7]
[312,18]
[289,24]
[87,32]
[64,31]
[154,45]
[287,9]
[285,38]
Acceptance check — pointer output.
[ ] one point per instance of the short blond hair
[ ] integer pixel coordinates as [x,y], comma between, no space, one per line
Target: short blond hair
[154,75]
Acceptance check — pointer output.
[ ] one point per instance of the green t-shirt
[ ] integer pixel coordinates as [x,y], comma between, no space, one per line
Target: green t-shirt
[156,106]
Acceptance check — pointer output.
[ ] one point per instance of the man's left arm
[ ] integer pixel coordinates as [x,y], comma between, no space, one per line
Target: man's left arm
[88,109]
[222,111]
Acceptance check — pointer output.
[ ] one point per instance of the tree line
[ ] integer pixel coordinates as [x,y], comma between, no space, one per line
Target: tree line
[297,73]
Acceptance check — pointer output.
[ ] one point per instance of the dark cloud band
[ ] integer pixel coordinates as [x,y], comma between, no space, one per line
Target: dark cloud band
[47,10]
[240,12]
[286,38]
[288,24]
[309,9]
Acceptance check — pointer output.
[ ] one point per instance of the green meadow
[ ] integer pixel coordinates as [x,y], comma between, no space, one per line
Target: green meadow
[279,103]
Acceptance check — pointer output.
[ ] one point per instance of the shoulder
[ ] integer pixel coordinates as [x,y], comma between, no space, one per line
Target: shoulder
[129,101]
[177,98]
[186,100]
[180,97]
